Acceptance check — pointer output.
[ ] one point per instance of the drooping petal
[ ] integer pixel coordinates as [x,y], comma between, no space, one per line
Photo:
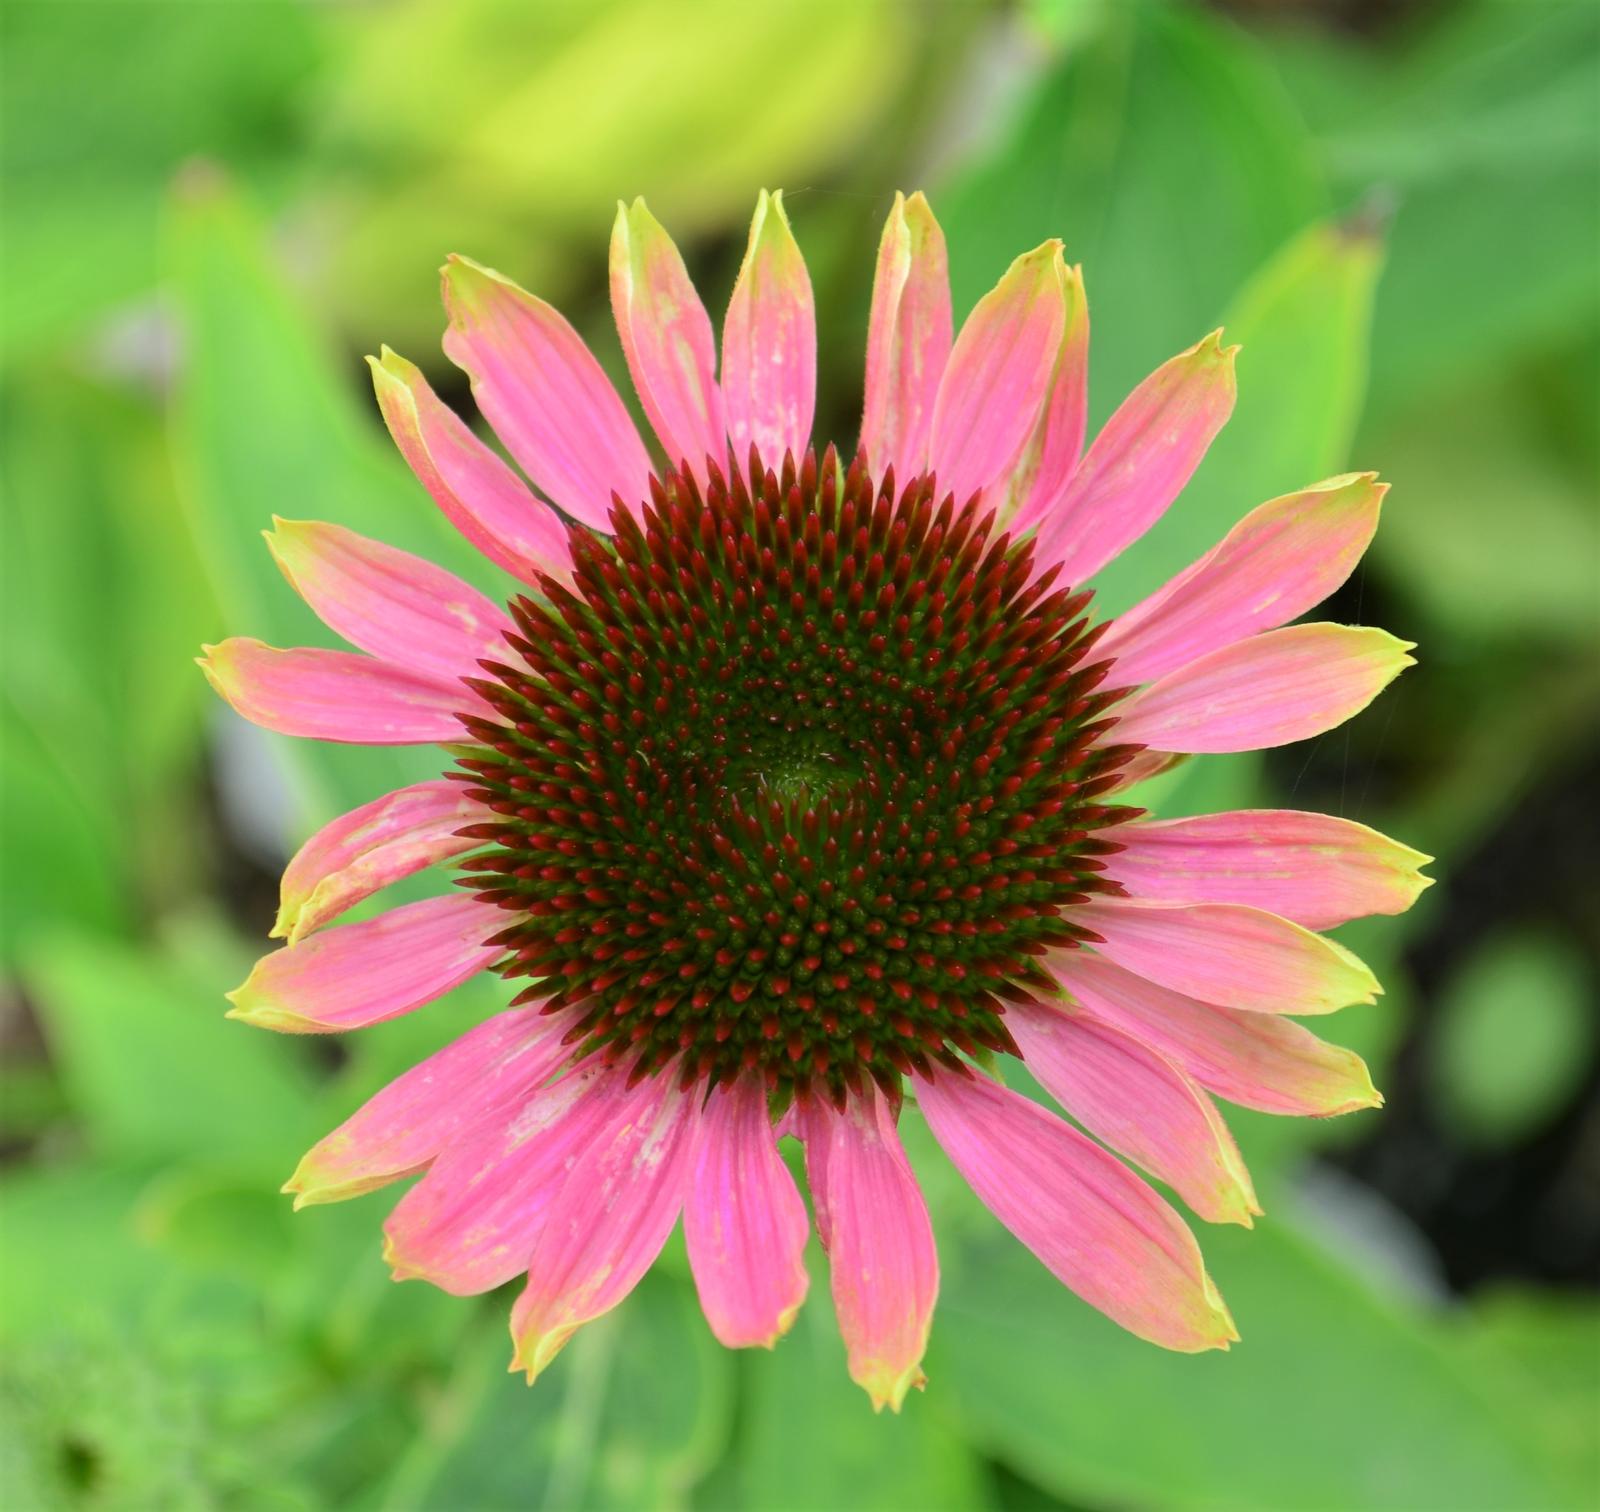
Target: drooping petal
[1140,462]
[908,339]
[608,1222]
[487,502]
[1140,1104]
[390,603]
[744,1221]
[1278,561]
[874,1224]
[336,695]
[769,342]
[1226,954]
[994,385]
[351,857]
[472,1222]
[667,339]
[544,393]
[1273,689]
[358,974]
[1313,869]
[478,1077]
[1050,456]
[1257,1060]
[1097,1227]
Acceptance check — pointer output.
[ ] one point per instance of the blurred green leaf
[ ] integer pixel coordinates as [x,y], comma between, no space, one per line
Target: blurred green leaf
[1333,1399]
[1515,1032]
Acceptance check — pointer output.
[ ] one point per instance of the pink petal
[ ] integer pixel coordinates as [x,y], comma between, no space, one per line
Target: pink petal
[1140,1104]
[908,339]
[487,502]
[396,606]
[667,339]
[745,1222]
[359,974]
[1271,690]
[1313,869]
[544,393]
[999,373]
[336,695]
[609,1221]
[769,343]
[1277,562]
[1096,1226]
[1139,463]
[472,1222]
[874,1225]
[475,1078]
[356,854]
[1050,457]
[1255,1059]
[1229,955]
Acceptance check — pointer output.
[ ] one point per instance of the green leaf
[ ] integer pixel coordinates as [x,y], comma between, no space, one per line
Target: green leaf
[1515,1032]
[1333,1399]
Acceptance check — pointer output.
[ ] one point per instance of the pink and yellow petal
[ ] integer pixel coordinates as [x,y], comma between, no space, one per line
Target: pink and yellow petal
[1279,561]
[769,343]
[359,974]
[1312,869]
[667,340]
[358,853]
[480,1076]
[1257,1060]
[744,1221]
[1270,690]
[1140,462]
[1230,955]
[1091,1221]
[544,392]
[998,376]
[609,1221]
[909,336]
[340,696]
[873,1222]
[482,497]
[1140,1104]
[389,603]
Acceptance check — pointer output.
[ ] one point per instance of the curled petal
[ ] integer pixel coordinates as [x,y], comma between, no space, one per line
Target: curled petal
[996,381]
[1140,462]
[1257,1060]
[482,497]
[353,856]
[472,1222]
[744,1221]
[608,1222]
[908,339]
[335,695]
[667,339]
[544,393]
[1313,869]
[390,603]
[1229,955]
[359,974]
[769,342]
[1277,562]
[1096,1226]
[1050,456]
[1273,689]
[874,1224]
[479,1076]
[1140,1104]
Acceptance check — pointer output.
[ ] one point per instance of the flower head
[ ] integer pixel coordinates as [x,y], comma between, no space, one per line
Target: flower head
[790,791]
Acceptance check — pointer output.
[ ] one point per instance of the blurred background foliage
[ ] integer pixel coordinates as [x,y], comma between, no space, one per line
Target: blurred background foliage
[211,209]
